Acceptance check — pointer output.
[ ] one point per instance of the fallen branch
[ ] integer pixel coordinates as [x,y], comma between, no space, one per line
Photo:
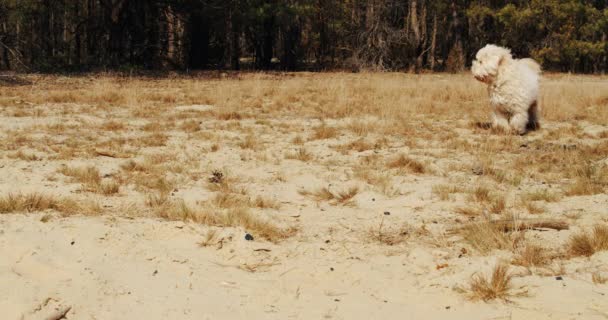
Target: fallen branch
[518,225]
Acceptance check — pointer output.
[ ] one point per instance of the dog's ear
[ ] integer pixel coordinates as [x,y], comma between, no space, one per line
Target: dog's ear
[504,57]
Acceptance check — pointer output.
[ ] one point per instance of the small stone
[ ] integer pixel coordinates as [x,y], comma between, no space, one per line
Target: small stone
[478,171]
[248,237]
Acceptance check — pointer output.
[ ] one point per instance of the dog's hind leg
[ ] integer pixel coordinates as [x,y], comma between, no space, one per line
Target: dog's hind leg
[534,116]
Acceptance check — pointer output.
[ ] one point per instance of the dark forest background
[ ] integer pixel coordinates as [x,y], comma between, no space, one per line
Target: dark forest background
[410,35]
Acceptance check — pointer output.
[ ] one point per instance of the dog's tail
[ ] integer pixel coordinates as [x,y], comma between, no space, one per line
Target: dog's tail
[533,65]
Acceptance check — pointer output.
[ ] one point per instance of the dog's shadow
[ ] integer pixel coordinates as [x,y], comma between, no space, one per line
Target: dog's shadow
[531,126]
[482,125]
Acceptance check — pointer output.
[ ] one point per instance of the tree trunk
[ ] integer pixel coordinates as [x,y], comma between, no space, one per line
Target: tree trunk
[199,42]
[431,54]
[235,31]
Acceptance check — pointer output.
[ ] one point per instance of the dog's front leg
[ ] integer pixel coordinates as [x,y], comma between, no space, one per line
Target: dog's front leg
[500,121]
[519,122]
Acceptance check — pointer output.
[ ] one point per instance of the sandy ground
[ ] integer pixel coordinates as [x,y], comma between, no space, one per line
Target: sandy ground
[106,268]
[127,263]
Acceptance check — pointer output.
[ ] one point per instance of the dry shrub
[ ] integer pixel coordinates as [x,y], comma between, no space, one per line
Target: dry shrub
[36,202]
[497,286]
[590,179]
[388,235]
[587,244]
[191,126]
[323,132]
[444,191]
[154,140]
[407,164]
[250,142]
[91,179]
[265,203]
[340,197]
[487,236]
[542,195]
[235,216]
[532,255]
[598,278]
[301,154]
[359,145]
[229,115]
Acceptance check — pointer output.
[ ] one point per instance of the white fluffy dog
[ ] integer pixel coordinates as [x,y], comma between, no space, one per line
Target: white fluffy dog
[513,85]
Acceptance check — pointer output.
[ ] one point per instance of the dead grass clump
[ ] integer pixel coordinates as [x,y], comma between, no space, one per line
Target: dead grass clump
[265,203]
[388,236]
[157,200]
[470,211]
[113,125]
[360,128]
[359,145]
[341,197]
[598,278]
[323,132]
[590,179]
[36,202]
[209,239]
[232,217]
[86,175]
[301,154]
[191,126]
[250,142]
[154,140]
[298,140]
[229,200]
[487,236]
[25,156]
[133,166]
[534,208]
[408,164]
[444,191]
[380,180]
[229,115]
[108,187]
[91,179]
[542,195]
[481,194]
[498,286]
[532,255]
[587,244]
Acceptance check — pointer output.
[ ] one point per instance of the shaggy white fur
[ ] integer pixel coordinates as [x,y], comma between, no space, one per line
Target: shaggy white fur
[513,86]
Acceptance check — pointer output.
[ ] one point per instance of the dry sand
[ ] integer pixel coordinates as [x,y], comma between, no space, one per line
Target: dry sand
[389,252]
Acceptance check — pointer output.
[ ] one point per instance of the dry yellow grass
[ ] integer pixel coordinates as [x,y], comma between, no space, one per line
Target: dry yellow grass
[335,197]
[407,164]
[487,236]
[384,129]
[36,202]
[588,243]
[497,286]
[532,255]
